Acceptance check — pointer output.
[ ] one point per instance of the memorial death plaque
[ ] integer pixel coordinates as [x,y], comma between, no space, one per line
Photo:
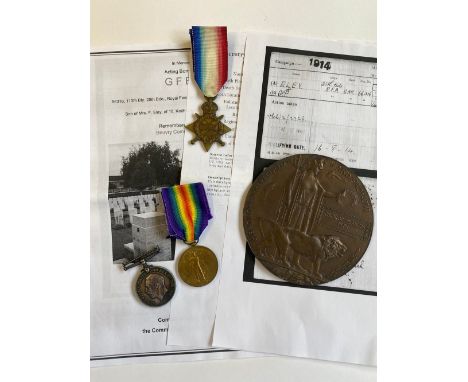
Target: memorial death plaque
[308,219]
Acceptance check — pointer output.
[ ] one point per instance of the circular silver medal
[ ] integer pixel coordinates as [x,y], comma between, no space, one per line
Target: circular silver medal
[155,285]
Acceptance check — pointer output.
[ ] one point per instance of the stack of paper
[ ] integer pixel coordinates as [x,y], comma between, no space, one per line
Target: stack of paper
[145,98]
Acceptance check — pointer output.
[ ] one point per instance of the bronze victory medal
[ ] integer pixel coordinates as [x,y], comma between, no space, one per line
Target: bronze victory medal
[198,266]
[308,219]
[155,285]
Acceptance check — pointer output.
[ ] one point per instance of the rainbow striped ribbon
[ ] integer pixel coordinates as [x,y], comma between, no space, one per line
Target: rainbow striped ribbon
[210,63]
[187,211]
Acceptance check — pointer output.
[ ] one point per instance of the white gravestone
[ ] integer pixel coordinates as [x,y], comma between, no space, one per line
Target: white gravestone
[159,203]
[148,231]
[118,216]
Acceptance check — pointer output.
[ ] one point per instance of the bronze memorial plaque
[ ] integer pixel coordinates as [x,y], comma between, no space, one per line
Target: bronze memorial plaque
[155,285]
[308,219]
[198,266]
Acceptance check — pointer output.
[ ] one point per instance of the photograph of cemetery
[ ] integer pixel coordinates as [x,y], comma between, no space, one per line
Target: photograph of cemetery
[137,172]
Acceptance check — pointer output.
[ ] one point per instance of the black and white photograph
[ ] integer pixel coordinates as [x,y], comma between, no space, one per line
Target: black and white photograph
[137,172]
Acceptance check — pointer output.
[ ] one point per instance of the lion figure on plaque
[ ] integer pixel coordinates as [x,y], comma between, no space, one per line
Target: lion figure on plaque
[298,251]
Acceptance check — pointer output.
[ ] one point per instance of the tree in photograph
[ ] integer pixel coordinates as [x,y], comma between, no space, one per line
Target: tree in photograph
[150,165]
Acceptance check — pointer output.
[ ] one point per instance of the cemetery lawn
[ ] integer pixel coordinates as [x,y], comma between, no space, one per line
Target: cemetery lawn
[119,238]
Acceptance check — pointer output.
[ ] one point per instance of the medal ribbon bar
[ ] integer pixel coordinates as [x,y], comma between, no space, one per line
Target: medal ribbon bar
[210,63]
[187,211]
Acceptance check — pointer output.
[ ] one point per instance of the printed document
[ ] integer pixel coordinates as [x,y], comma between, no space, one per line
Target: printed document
[193,313]
[137,138]
[300,96]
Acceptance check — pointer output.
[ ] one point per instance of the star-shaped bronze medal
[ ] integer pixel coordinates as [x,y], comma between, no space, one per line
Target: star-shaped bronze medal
[208,127]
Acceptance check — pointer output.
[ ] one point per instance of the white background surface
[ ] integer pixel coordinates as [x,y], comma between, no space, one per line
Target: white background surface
[159,21]
[149,22]
[422,157]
